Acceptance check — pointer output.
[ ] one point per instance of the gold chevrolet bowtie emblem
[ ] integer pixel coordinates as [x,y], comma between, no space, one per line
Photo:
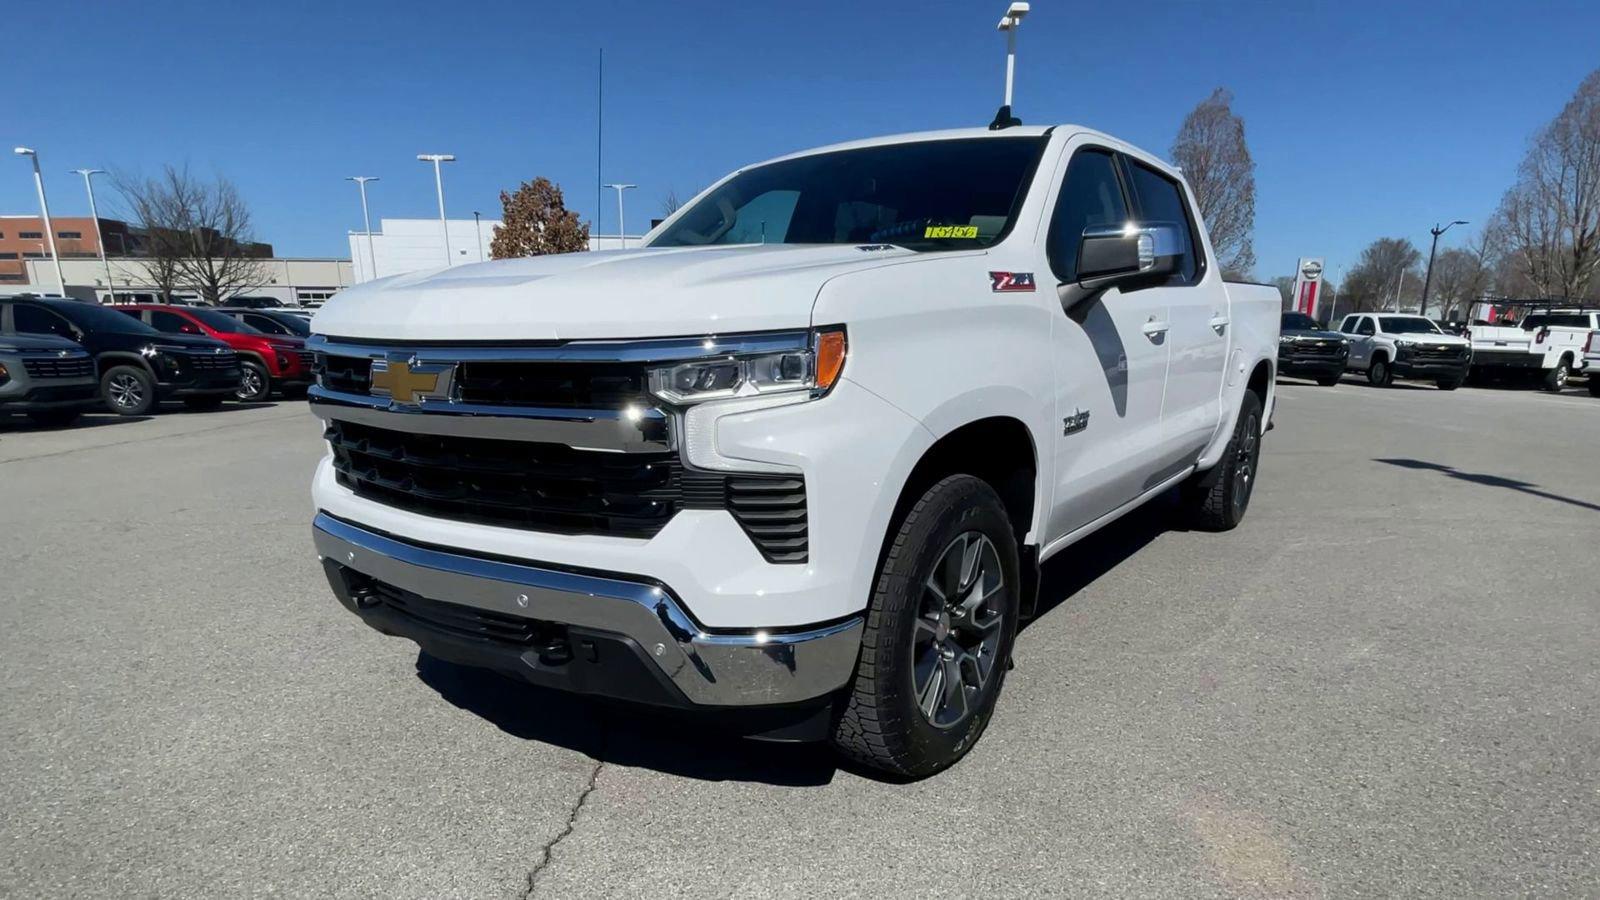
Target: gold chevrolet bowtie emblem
[404,384]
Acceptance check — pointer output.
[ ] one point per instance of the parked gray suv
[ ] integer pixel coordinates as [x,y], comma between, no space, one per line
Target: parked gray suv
[50,379]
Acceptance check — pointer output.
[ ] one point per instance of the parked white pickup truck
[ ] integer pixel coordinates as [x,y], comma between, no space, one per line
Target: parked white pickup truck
[802,453]
[1547,341]
[1591,362]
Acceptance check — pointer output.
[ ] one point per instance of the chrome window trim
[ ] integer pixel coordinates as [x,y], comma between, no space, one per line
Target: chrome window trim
[650,350]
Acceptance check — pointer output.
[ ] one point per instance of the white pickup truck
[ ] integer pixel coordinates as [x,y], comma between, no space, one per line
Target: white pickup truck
[1547,341]
[801,454]
[1591,362]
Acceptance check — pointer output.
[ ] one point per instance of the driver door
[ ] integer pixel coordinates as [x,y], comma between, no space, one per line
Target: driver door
[1110,357]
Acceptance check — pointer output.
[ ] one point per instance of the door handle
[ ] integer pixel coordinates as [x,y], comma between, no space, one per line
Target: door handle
[1155,328]
[1219,323]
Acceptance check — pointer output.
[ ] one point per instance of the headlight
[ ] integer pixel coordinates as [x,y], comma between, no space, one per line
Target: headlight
[815,369]
[5,374]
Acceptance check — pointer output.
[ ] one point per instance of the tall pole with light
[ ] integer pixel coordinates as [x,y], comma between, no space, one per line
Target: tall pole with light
[1009,24]
[477,227]
[366,222]
[438,184]
[94,213]
[1428,281]
[622,231]
[44,211]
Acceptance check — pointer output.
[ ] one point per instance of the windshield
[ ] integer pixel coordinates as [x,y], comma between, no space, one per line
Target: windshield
[931,195]
[1408,325]
[294,324]
[90,317]
[223,324]
[1295,321]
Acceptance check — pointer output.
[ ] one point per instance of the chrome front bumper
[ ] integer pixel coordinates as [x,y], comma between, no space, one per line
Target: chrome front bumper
[706,669]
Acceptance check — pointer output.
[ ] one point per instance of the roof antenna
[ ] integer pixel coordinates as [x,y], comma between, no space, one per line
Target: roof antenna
[1013,18]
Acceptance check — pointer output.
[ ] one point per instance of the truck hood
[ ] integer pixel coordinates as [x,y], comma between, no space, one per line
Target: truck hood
[36,343]
[666,292]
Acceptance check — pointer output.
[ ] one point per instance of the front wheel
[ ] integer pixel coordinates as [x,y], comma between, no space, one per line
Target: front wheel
[1379,373]
[128,390]
[940,625]
[1449,384]
[254,386]
[1555,380]
[1217,498]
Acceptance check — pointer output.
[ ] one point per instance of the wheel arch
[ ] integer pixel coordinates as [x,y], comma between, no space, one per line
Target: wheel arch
[999,450]
[110,358]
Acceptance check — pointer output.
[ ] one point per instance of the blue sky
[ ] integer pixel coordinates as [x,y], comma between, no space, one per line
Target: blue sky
[1365,119]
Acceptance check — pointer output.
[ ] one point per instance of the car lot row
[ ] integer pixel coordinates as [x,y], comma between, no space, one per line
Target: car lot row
[1548,345]
[60,358]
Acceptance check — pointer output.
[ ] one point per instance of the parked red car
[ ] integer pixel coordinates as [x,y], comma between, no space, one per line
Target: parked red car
[269,361]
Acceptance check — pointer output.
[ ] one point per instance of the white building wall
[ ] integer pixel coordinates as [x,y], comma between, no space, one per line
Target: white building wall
[412,245]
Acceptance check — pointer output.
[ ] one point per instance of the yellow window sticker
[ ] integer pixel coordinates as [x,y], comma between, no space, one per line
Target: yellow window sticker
[951,231]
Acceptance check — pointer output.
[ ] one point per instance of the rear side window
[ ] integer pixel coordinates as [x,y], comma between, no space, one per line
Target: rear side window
[1555,320]
[1091,196]
[1161,203]
[172,323]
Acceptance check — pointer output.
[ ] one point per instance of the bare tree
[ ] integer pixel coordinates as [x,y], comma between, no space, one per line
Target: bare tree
[537,222]
[159,243]
[201,230]
[1211,150]
[1549,220]
[1388,267]
[671,203]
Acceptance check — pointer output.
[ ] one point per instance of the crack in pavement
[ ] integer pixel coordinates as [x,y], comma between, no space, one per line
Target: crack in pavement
[547,851]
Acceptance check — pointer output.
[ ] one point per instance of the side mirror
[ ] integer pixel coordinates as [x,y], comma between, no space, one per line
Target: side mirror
[1126,256]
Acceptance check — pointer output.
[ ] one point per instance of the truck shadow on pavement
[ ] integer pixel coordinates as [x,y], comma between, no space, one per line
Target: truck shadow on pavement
[1525,487]
[681,744]
[635,736]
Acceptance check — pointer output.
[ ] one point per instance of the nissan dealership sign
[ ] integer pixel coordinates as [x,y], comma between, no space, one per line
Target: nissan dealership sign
[1308,286]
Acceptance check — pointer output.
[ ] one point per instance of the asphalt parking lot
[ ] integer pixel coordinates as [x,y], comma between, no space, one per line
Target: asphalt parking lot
[1384,683]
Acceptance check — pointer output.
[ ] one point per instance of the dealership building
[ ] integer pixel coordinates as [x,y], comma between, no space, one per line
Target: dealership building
[411,245]
[292,281]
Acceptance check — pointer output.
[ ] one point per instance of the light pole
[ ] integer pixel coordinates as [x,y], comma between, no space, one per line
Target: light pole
[438,184]
[1009,24]
[477,227]
[94,213]
[1428,281]
[622,231]
[366,222]
[44,210]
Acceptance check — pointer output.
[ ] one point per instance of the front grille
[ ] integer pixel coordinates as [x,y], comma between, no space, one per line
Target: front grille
[346,374]
[1438,354]
[307,358]
[213,362]
[542,487]
[58,367]
[555,488]
[562,385]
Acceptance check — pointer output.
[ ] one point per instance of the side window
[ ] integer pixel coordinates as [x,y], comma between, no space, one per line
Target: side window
[1366,326]
[30,319]
[172,323]
[1090,196]
[264,323]
[1161,203]
[1349,326]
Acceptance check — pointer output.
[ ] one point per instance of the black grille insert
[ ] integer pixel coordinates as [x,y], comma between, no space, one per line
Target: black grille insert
[213,362]
[555,488]
[348,374]
[563,385]
[58,367]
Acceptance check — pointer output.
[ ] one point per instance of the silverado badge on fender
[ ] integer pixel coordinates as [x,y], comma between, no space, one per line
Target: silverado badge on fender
[1002,282]
[1078,421]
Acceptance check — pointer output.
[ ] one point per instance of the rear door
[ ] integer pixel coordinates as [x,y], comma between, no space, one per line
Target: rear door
[1110,359]
[1361,331]
[1197,314]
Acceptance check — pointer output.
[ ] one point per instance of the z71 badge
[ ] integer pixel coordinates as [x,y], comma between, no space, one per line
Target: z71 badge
[1001,282]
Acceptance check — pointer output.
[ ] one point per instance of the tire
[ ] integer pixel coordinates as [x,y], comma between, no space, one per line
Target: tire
[1555,380]
[128,390]
[55,417]
[210,401]
[1218,498]
[1449,384]
[957,537]
[1329,380]
[254,385]
[1379,373]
